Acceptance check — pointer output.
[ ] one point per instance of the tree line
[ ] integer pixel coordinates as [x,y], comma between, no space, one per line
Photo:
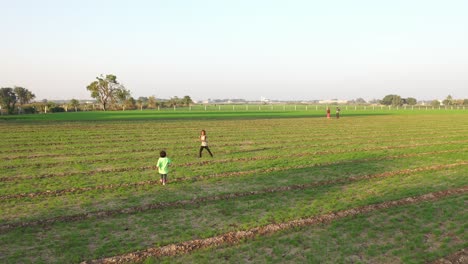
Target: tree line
[10,97]
[112,95]
[396,100]
[108,92]
[20,100]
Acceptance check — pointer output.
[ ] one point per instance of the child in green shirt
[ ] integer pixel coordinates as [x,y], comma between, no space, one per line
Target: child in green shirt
[163,166]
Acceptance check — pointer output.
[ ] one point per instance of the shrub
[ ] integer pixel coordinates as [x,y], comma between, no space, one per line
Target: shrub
[57,109]
[29,109]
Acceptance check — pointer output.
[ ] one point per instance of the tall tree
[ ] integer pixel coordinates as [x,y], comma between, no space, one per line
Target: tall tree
[140,103]
[360,101]
[122,96]
[152,102]
[397,101]
[435,103]
[8,99]
[187,100]
[448,100]
[143,99]
[392,99]
[130,103]
[74,103]
[45,105]
[105,89]
[411,101]
[387,100]
[174,101]
[23,95]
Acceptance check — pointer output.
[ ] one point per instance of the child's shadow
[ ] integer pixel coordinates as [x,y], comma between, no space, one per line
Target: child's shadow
[250,150]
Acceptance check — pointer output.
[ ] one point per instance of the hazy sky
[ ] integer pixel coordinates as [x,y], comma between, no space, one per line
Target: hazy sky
[289,49]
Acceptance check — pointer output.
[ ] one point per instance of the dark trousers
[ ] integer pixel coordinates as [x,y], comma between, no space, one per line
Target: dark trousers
[164,177]
[205,147]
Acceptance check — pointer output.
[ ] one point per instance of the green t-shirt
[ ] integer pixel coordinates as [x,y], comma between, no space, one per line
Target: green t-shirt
[163,165]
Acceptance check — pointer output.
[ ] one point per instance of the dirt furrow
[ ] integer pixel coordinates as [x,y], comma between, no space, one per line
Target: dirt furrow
[199,200]
[241,235]
[459,257]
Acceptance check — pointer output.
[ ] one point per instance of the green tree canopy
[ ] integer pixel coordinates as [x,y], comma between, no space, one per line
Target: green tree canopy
[105,89]
[122,96]
[387,100]
[152,102]
[144,99]
[74,103]
[360,101]
[448,100]
[187,100]
[130,103]
[140,102]
[435,103]
[411,101]
[8,99]
[174,101]
[392,99]
[23,95]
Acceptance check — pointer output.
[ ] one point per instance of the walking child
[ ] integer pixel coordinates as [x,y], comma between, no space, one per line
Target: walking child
[338,112]
[204,144]
[163,166]
[328,112]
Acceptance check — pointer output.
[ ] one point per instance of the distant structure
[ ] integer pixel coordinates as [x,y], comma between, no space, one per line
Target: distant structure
[333,101]
[264,100]
[441,102]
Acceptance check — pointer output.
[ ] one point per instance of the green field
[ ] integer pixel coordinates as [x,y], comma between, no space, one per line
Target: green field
[83,186]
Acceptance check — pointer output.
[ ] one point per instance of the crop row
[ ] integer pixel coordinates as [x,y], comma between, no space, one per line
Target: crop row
[155,139]
[337,141]
[137,129]
[227,161]
[223,130]
[241,235]
[198,200]
[197,178]
[271,144]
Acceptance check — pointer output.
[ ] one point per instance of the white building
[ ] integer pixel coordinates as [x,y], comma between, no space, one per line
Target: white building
[333,101]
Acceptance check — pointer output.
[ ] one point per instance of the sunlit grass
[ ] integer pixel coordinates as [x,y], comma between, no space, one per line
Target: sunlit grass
[254,152]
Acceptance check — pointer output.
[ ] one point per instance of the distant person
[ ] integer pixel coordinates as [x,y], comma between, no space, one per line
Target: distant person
[328,112]
[338,112]
[204,144]
[163,166]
